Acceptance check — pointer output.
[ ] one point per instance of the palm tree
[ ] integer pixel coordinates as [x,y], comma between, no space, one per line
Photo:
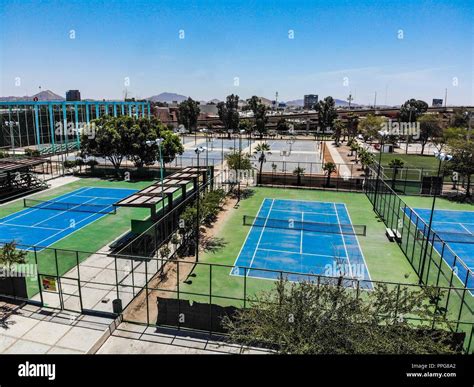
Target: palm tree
[366,159]
[329,168]
[262,150]
[395,164]
[298,172]
[338,130]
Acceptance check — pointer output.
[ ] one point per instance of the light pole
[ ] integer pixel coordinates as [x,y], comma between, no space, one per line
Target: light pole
[198,151]
[441,157]
[382,134]
[240,158]
[158,142]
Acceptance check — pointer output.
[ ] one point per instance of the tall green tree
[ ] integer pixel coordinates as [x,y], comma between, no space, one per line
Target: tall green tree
[430,127]
[228,112]
[262,150]
[238,161]
[411,110]
[329,168]
[463,160]
[308,318]
[108,138]
[326,109]
[282,125]
[367,159]
[370,125]
[352,125]
[299,172]
[260,114]
[188,113]
[124,137]
[339,127]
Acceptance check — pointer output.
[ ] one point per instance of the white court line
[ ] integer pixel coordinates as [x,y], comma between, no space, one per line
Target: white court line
[440,221]
[344,243]
[97,197]
[440,253]
[307,212]
[75,229]
[462,225]
[62,212]
[261,234]
[22,225]
[294,252]
[245,241]
[358,244]
[301,240]
[66,196]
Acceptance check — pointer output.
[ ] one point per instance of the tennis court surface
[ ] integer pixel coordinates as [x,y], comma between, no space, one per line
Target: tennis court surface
[456,229]
[43,223]
[302,237]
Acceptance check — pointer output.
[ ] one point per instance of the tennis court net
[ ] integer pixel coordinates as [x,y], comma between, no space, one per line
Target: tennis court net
[63,206]
[447,236]
[291,224]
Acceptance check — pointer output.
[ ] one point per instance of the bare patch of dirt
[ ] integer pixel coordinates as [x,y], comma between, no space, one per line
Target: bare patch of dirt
[344,152]
[167,279]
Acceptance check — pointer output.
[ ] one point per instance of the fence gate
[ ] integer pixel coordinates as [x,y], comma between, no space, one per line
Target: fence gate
[60,293]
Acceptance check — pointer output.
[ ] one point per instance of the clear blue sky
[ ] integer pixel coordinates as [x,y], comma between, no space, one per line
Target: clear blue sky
[245,39]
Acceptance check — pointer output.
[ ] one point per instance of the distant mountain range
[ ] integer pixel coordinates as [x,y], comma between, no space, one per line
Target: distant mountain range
[167,97]
[46,95]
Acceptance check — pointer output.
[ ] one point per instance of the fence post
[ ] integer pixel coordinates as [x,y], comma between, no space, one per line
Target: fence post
[177,288]
[79,280]
[210,299]
[245,287]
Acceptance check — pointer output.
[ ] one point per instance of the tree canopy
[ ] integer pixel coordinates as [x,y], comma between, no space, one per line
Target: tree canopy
[124,137]
[228,112]
[327,112]
[412,109]
[306,318]
[430,127]
[188,113]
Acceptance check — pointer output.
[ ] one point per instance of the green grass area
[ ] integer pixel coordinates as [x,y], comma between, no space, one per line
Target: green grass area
[412,161]
[441,203]
[87,239]
[384,259]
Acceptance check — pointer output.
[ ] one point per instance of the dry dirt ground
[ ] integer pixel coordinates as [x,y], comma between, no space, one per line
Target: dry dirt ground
[166,280]
[345,151]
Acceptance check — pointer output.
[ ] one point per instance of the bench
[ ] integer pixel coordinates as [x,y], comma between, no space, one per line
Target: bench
[398,236]
[390,234]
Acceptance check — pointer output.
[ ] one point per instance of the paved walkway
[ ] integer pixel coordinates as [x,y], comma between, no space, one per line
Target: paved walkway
[33,330]
[136,339]
[344,170]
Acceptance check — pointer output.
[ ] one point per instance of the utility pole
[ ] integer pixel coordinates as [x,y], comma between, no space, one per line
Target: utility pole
[350,99]
[375,101]
[276,101]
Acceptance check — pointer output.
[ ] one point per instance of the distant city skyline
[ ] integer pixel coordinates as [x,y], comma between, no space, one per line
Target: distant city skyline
[210,49]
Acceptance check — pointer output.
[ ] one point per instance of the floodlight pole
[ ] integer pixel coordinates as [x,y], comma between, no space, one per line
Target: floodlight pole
[238,173]
[441,158]
[382,136]
[198,151]
[197,208]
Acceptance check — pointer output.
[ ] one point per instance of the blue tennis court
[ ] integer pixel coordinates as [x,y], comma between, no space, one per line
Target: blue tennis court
[46,222]
[302,237]
[456,228]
